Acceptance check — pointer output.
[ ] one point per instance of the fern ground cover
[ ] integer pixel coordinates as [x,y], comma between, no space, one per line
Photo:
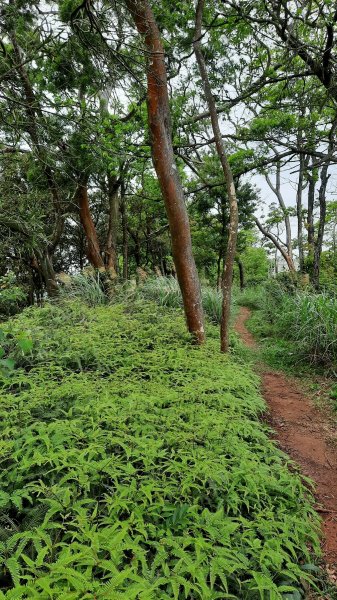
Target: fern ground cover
[134,466]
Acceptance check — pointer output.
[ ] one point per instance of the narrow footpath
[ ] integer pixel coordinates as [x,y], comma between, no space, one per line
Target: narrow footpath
[306,436]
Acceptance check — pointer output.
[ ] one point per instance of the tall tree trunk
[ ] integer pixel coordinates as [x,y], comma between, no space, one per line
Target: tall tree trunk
[93,249]
[111,241]
[41,261]
[241,272]
[166,168]
[275,262]
[299,213]
[125,232]
[218,276]
[231,193]
[48,273]
[310,221]
[136,252]
[321,225]
[277,191]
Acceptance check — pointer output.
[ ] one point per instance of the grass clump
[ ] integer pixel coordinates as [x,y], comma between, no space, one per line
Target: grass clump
[301,324]
[166,292]
[134,466]
[85,287]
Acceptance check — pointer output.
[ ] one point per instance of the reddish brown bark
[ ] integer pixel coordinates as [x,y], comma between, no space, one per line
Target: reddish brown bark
[165,166]
[227,277]
[93,249]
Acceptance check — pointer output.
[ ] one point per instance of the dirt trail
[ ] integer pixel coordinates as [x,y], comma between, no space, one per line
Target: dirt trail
[307,437]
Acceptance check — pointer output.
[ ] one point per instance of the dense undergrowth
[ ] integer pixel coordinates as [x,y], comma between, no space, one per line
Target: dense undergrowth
[134,465]
[299,326]
[165,291]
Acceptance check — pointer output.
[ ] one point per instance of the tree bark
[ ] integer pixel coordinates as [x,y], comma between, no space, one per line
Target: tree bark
[41,260]
[275,262]
[93,248]
[241,272]
[111,241]
[310,217]
[321,225]
[299,208]
[277,191]
[166,168]
[277,245]
[48,273]
[227,278]
[125,232]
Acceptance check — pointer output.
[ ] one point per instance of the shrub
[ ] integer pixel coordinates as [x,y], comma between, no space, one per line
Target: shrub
[12,296]
[134,466]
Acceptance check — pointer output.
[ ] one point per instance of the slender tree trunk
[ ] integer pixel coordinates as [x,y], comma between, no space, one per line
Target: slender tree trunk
[241,272]
[41,260]
[227,278]
[321,225]
[277,245]
[93,248]
[125,232]
[166,168]
[299,213]
[48,273]
[218,277]
[277,191]
[111,241]
[136,252]
[275,262]
[310,222]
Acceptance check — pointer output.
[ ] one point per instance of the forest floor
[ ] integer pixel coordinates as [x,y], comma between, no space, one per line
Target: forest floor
[307,436]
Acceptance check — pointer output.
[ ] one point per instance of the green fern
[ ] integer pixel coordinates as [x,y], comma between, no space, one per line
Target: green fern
[135,466]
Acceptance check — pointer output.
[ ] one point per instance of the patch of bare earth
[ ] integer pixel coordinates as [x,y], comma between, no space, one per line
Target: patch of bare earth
[307,436]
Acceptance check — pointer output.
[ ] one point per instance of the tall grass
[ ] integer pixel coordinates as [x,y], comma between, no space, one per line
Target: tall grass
[311,320]
[165,291]
[88,288]
[302,316]
[252,297]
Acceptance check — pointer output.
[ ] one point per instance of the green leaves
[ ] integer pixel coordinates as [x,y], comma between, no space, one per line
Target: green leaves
[9,348]
[134,465]
[25,344]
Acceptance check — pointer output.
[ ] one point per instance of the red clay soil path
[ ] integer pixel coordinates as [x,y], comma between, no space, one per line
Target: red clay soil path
[305,435]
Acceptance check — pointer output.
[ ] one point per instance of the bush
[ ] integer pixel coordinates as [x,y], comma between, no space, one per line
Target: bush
[134,466]
[12,296]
